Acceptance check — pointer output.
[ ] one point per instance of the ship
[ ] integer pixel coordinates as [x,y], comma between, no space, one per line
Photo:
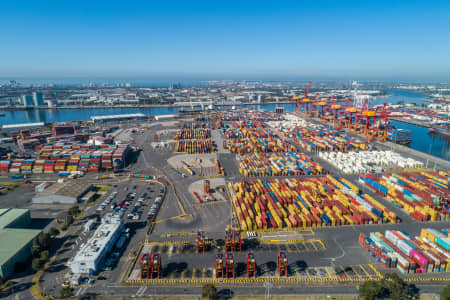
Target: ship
[442,129]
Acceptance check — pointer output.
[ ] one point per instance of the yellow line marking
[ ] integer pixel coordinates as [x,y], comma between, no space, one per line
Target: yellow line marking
[328,271]
[307,273]
[171,275]
[356,273]
[171,218]
[203,273]
[343,270]
[193,273]
[317,272]
[182,275]
[364,270]
[312,243]
[298,249]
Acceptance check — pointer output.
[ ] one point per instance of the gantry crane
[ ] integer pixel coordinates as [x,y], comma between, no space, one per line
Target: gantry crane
[155,265]
[282,263]
[229,265]
[219,266]
[305,100]
[201,241]
[251,265]
[145,265]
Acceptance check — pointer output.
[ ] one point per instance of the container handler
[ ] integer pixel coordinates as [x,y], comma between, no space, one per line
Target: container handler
[251,265]
[155,267]
[282,264]
[201,241]
[145,266]
[229,265]
[219,266]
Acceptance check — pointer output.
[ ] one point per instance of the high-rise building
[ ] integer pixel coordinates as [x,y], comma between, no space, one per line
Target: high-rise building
[27,101]
[38,100]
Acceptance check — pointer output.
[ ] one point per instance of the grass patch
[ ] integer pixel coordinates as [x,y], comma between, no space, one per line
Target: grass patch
[102,188]
[7,186]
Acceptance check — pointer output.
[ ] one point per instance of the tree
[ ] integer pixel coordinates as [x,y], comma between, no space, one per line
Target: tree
[397,288]
[65,292]
[44,256]
[36,264]
[445,292]
[53,231]
[209,291]
[371,290]
[44,240]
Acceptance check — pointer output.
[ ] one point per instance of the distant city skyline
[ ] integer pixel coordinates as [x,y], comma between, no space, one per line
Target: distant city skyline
[204,40]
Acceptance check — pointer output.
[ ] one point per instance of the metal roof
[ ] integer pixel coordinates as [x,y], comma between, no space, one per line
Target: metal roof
[116,117]
[13,240]
[23,125]
[9,215]
[71,189]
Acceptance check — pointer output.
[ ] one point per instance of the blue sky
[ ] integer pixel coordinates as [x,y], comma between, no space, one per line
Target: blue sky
[227,39]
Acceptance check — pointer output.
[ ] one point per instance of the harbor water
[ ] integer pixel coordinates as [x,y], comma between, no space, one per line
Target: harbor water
[433,144]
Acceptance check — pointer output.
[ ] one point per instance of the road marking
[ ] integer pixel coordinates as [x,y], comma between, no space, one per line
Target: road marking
[364,270]
[356,273]
[328,271]
[182,275]
[193,273]
[312,243]
[307,273]
[343,270]
[203,273]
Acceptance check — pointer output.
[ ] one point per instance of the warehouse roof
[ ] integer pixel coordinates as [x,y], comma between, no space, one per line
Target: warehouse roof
[22,126]
[9,215]
[72,189]
[117,117]
[13,240]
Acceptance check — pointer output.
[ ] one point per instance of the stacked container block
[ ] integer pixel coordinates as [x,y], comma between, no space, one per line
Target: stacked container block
[397,249]
[424,195]
[306,202]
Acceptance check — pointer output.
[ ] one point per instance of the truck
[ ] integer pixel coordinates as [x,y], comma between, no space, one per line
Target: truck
[18,176]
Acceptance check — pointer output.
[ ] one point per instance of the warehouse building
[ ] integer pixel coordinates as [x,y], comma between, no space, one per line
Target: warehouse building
[15,240]
[63,193]
[14,218]
[94,251]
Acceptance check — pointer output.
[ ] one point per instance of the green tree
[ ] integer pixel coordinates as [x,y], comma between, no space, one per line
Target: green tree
[371,290]
[445,292]
[53,231]
[36,264]
[66,292]
[44,256]
[209,291]
[44,240]
[397,288]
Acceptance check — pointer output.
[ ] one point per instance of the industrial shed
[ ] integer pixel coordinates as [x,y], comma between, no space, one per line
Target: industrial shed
[16,242]
[14,218]
[63,193]
[16,247]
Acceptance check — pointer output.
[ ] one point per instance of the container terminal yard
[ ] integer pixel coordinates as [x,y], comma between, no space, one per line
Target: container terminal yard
[240,199]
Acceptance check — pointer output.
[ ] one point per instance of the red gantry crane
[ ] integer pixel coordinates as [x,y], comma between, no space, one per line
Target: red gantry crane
[303,102]
[155,266]
[201,241]
[282,264]
[145,265]
[229,265]
[251,265]
[219,266]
